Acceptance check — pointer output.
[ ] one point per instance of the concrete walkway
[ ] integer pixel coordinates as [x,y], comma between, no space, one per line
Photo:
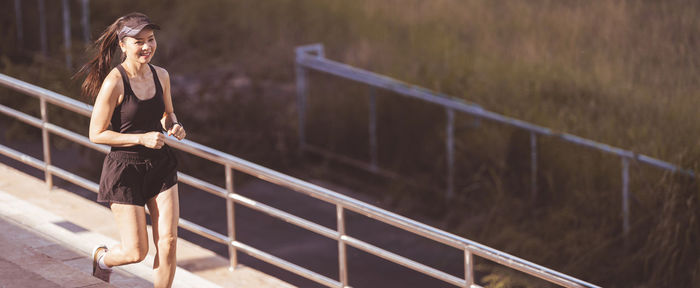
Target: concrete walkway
[48,235]
[30,260]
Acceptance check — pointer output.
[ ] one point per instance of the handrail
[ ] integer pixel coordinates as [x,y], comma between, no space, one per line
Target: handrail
[312,57]
[342,202]
[316,62]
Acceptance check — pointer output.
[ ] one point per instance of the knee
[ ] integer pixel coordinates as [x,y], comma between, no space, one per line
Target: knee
[167,242]
[137,254]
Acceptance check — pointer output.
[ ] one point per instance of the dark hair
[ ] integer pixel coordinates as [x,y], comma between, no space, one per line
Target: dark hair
[96,70]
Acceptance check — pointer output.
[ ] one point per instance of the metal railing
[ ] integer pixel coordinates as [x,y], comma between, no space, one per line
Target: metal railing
[467,247]
[311,57]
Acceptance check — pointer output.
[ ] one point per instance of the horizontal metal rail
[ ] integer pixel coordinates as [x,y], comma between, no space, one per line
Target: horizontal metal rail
[325,65]
[342,201]
[311,57]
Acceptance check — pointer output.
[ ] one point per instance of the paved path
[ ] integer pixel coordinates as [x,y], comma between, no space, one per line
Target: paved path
[28,259]
[48,235]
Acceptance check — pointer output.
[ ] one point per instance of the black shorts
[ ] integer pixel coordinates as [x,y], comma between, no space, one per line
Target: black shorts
[130,177]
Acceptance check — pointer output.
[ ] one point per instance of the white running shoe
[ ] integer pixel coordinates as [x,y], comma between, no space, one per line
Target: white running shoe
[98,272]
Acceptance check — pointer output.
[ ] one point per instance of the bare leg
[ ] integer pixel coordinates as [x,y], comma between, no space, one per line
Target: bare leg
[165,213]
[131,220]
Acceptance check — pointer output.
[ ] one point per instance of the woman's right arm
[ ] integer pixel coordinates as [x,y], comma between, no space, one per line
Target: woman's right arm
[102,113]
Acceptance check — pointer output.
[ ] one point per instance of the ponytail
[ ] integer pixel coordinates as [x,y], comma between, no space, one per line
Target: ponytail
[96,70]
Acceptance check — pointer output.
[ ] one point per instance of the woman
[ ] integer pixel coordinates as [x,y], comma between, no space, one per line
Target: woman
[140,169]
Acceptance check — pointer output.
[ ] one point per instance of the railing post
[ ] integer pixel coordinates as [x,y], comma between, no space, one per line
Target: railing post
[18,19]
[301,100]
[450,152]
[66,33]
[468,267]
[301,78]
[45,142]
[42,29]
[373,130]
[342,253]
[533,165]
[231,219]
[85,20]
[625,195]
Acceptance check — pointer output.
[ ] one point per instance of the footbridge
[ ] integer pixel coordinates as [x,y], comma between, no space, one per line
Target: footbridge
[466,249]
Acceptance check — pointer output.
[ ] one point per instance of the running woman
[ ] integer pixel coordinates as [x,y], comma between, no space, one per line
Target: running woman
[140,169]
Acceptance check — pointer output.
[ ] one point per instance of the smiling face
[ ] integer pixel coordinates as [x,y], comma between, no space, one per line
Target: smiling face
[139,48]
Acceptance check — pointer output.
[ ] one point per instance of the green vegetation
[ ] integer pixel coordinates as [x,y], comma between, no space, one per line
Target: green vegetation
[618,72]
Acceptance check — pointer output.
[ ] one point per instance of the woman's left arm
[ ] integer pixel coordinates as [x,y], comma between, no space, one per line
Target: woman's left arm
[169,120]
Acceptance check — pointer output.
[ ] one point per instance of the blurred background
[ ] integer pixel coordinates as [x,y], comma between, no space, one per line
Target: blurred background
[617,72]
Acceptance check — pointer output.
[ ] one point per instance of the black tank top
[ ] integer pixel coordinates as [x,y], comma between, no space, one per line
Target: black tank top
[134,115]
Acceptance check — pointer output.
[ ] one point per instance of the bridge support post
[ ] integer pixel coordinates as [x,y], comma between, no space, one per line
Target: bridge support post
[231,220]
[42,29]
[468,267]
[66,34]
[450,152]
[533,166]
[45,143]
[373,130]
[18,20]
[301,83]
[625,196]
[85,20]
[301,104]
[342,251]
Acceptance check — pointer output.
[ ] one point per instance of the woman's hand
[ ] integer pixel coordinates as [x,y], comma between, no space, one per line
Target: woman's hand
[154,140]
[178,131]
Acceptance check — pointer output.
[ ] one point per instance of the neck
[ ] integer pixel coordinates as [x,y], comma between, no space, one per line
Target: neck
[135,69]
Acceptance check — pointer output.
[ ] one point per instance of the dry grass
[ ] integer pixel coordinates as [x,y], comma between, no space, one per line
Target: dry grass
[619,72]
